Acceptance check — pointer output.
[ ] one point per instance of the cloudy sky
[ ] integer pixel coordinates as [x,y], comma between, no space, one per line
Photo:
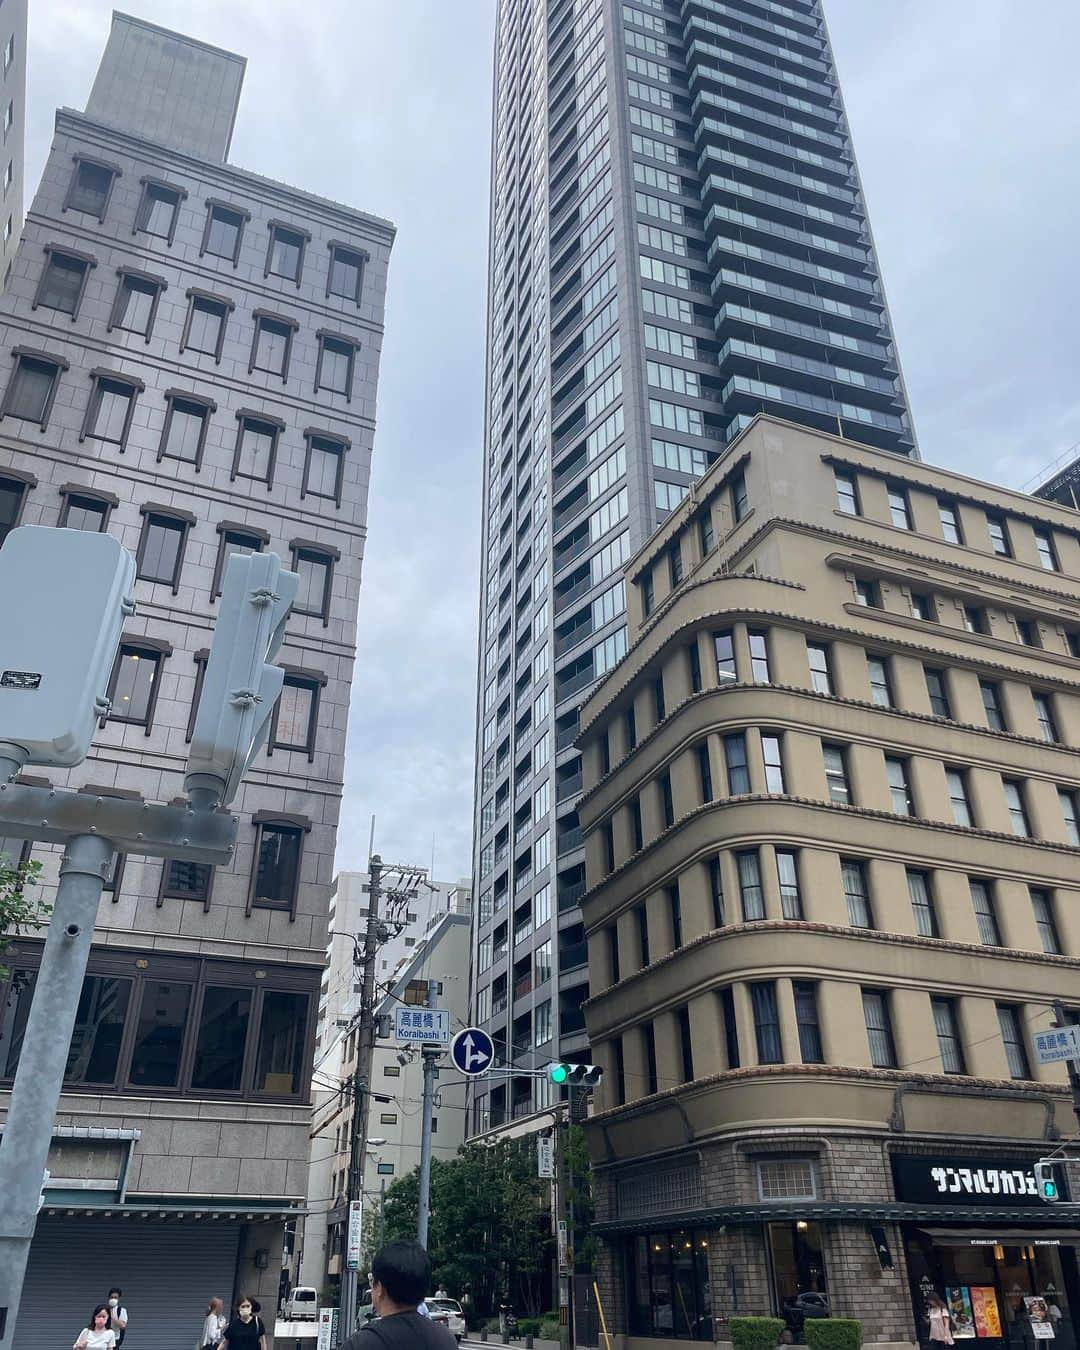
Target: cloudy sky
[967,127]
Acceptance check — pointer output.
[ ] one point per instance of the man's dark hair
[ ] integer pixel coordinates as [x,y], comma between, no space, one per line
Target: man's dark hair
[403,1270]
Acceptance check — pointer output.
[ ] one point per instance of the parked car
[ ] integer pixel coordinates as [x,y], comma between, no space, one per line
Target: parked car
[302,1305]
[799,1307]
[448,1312]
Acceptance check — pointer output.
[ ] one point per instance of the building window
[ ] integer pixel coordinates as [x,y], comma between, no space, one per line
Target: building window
[542,1023]
[204,328]
[135,306]
[922,904]
[669,1263]
[820,675]
[899,788]
[706,532]
[90,187]
[159,209]
[133,689]
[694,656]
[186,881]
[923,607]
[32,386]
[1044,546]
[999,535]
[991,698]
[856,893]
[1027,633]
[391,1070]
[774,764]
[725,657]
[766,1022]
[879,1034]
[296,714]
[324,466]
[272,344]
[659,704]
[648,595]
[740,503]
[867,594]
[85,510]
[751,893]
[642,916]
[256,448]
[285,252]
[110,408]
[675,565]
[334,367]
[13,493]
[982,899]
[704,772]
[635,823]
[899,511]
[234,539]
[939,694]
[346,273]
[183,436]
[385,1118]
[738,771]
[958,796]
[759,656]
[161,547]
[716,892]
[63,281]
[948,1035]
[275,877]
[806,1018]
[542,962]
[787,874]
[667,803]
[731,1027]
[1042,905]
[314,565]
[949,516]
[630,722]
[836,778]
[1067,801]
[223,231]
[1018,818]
[1044,714]
[847,494]
[1012,1036]
[880,686]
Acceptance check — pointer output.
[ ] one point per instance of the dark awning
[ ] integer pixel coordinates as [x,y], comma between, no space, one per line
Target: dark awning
[1034,1235]
[1008,1219]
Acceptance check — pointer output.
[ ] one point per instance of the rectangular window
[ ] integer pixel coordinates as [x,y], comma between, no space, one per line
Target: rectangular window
[675,565]
[766,1022]
[314,570]
[958,796]
[159,1034]
[694,656]
[759,656]
[109,411]
[847,494]
[83,512]
[324,468]
[706,532]
[221,1039]
[1027,632]
[1018,818]
[1067,801]
[922,904]
[738,771]
[751,894]
[32,388]
[296,716]
[1044,546]
[820,676]
[806,1018]
[716,891]
[982,899]
[184,434]
[346,274]
[867,594]
[705,772]
[975,619]
[90,188]
[836,778]
[223,231]
[856,893]
[923,607]
[161,549]
[1042,905]
[936,689]
[271,344]
[899,511]
[158,210]
[62,282]
[725,656]
[204,330]
[740,503]
[285,253]
[675,912]
[787,872]
[256,450]
[1044,714]
[334,371]
[135,305]
[542,963]
[643,935]
[774,764]
[630,727]
[133,691]
[1012,1036]
[949,516]
[659,706]
[648,596]
[899,787]
[12,497]
[731,1027]
[186,881]
[542,1023]
[276,875]
[666,801]
[948,1035]
[879,1029]
[999,535]
[233,541]
[991,699]
[880,686]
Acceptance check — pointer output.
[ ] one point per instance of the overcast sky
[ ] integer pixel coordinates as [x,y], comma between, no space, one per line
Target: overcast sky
[967,126]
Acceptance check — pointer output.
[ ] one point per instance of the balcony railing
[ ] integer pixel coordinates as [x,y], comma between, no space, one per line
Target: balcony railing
[523,986]
[569,895]
[574,956]
[570,1021]
[568,787]
[568,841]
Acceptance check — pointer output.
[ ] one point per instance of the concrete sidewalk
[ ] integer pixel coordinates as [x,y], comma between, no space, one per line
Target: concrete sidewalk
[494,1339]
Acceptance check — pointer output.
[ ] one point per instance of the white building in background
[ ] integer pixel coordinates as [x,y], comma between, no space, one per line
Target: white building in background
[13,121]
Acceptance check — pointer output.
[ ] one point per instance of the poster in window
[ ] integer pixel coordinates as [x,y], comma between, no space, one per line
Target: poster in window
[958,1297]
[985,1309]
[1039,1316]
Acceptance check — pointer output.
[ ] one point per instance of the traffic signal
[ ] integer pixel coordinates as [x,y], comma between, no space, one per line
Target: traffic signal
[240,686]
[1047,1183]
[575,1075]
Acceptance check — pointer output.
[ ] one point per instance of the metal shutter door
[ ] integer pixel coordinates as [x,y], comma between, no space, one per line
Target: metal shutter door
[167,1273]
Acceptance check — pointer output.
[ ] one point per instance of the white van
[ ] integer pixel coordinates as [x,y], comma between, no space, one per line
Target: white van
[302,1304]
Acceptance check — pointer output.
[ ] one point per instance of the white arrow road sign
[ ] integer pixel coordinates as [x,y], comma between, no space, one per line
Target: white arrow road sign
[472,1051]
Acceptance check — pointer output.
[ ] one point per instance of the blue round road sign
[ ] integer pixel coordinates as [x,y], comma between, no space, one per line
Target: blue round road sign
[472,1051]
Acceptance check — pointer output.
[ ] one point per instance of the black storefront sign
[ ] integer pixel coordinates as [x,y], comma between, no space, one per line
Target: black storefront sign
[1002,1183]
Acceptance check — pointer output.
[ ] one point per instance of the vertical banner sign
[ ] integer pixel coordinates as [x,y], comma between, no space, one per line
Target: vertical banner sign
[984,1306]
[356,1223]
[545,1156]
[563,1252]
[328,1328]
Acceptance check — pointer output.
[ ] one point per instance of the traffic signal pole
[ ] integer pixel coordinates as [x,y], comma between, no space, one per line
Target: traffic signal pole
[430,1055]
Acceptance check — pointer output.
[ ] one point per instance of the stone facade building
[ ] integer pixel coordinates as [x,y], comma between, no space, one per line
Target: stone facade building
[188,359]
[832,839]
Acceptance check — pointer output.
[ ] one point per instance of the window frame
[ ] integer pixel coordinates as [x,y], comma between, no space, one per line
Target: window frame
[213,204]
[108,500]
[142,214]
[920,887]
[86,260]
[164,893]
[905,786]
[735,770]
[885,683]
[952,1035]
[1011,1025]
[993,708]
[1019,809]
[314,681]
[1045,549]
[823,670]
[949,520]
[224,529]
[152,282]
[789,888]
[766,1029]
[298,827]
[956,777]
[861,897]
[23,483]
[113,170]
[363,257]
[773,764]
[847,480]
[99,378]
[151,512]
[1042,897]
[279,227]
[751,883]
[193,295]
[208,406]
[1045,717]
[323,336]
[867,593]
[343,444]
[995,518]
[263,318]
[805,993]
[724,675]
[151,648]
[42,358]
[326,553]
[884,1029]
[759,660]
[986,916]
[246,417]
[937,691]
[831,775]
[899,504]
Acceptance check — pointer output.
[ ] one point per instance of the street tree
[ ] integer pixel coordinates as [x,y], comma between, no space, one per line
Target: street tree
[22,909]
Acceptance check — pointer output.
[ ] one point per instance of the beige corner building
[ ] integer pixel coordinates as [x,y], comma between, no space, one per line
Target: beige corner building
[832,853]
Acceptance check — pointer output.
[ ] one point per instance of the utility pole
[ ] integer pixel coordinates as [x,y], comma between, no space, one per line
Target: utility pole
[430,1054]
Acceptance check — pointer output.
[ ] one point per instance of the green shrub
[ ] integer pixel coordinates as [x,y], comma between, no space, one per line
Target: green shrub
[549,1329]
[833,1333]
[756,1333]
[529,1326]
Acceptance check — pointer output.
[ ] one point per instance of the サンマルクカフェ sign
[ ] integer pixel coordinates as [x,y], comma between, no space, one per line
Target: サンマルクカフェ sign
[927,1179]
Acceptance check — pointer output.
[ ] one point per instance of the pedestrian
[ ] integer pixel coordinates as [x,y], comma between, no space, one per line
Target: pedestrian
[214,1325]
[441,1291]
[400,1272]
[245,1331]
[118,1316]
[97,1334]
[940,1321]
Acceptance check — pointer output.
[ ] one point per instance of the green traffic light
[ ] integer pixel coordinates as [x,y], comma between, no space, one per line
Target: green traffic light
[1050,1190]
[558,1073]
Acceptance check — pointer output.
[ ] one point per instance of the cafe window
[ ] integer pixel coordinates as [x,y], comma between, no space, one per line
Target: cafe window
[159,1034]
[786,1179]
[668,1278]
[221,1039]
[279,1058]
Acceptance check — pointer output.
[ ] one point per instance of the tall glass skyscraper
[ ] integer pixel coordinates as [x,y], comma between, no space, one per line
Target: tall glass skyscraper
[678,241]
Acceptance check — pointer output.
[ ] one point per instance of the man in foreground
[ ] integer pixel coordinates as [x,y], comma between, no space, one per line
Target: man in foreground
[400,1273]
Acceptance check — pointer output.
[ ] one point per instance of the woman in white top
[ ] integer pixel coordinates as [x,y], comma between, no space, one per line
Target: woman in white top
[214,1326]
[98,1335]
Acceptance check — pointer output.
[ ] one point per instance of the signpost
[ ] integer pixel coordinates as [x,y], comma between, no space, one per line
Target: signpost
[472,1051]
[328,1328]
[422,1026]
[545,1155]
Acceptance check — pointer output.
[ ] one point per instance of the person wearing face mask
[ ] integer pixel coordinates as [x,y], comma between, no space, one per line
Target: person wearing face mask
[118,1316]
[245,1331]
[97,1334]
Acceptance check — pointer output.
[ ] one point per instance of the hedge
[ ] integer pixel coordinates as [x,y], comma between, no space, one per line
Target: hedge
[756,1333]
[833,1333]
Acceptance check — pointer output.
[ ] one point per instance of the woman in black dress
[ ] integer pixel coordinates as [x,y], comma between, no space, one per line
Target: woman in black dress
[245,1331]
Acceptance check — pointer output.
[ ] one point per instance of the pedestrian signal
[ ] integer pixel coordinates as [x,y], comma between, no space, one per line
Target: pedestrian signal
[1047,1182]
[575,1075]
